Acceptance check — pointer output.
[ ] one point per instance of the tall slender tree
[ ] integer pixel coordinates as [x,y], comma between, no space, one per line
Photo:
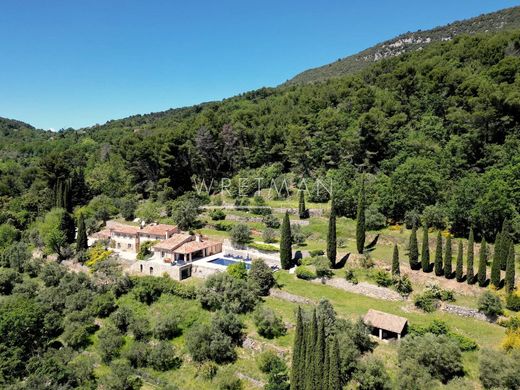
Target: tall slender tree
[297,368]
[331,235]
[326,365]
[448,271]
[395,261]
[507,240]
[470,273]
[81,239]
[301,206]
[425,253]
[312,336]
[482,264]
[286,243]
[335,367]
[439,271]
[510,269]
[459,272]
[319,356]
[360,220]
[497,263]
[413,249]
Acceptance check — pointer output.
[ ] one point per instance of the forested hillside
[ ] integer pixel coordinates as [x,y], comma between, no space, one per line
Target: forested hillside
[411,41]
[436,129]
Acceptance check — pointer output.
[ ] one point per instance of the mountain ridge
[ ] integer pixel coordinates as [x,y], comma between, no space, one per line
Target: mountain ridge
[505,19]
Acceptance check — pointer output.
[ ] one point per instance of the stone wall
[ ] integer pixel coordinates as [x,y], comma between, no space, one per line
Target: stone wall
[464,311]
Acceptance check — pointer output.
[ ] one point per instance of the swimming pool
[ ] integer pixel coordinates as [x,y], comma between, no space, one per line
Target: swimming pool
[225,262]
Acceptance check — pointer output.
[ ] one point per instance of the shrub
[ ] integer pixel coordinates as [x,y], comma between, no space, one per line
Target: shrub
[217,215]
[426,302]
[268,324]
[403,285]
[297,235]
[137,354]
[8,278]
[229,324]
[371,374]
[437,354]
[207,370]
[223,226]
[264,247]
[383,278]
[322,265]
[222,291]
[305,273]
[316,253]
[271,221]
[140,328]
[162,357]
[498,370]
[490,304]
[366,261]
[207,343]
[513,302]
[237,270]
[167,326]
[269,235]
[103,305]
[229,382]
[269,361]
[350,276]
[122,318]
[240,234]
[261,277]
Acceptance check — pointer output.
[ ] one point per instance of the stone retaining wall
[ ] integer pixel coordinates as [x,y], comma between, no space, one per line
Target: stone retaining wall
[464,312]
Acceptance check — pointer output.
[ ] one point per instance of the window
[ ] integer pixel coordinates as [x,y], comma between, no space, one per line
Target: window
[129,246]
[119,245]
[162,254]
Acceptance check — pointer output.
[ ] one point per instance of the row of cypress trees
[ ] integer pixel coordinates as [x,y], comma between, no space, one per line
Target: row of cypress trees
[503,259]
[316,361]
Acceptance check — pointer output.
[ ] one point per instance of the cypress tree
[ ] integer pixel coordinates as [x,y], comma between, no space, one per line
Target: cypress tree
[425,253]
[297,369]
[319,355]
[471,254]
[497,263]
[482,264]
[439,271]
[334,367]
[413,249]
[331,236]
[301,205]
[506,243]
[360,220]
[286,243]
[312,335]
[395,261]
[326,365]
[448,271]
[81,240]
[68,226]
[510,269]
[459,273]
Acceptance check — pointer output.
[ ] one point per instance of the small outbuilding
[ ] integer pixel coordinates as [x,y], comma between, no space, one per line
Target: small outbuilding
[385,325]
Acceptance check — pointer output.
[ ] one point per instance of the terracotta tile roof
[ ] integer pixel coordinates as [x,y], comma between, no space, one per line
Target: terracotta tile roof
[125,229]
[194,246]
[102,234]
[173,242]
[385,321]
[159,230]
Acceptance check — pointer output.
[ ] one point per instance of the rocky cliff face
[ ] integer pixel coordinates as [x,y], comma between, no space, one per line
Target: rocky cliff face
[410,41]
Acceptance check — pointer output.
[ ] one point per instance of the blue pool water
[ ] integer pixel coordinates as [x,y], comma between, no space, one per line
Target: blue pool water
[226,262]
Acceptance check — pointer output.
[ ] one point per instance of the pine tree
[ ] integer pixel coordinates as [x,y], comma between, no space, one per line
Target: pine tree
[81,240]
[296,367]
[482,264]
[312,336]
[448,271]
[497,262]
[319,356]
[286,243]
[335,367]
[360,224]
[413,249]
[301,206]
[425,253]
[395,261]
[510,269]
[471,255]
[439,271]
[459,273]
[331,236]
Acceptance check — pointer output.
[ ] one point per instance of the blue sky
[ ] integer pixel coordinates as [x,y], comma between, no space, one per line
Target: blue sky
[77,63]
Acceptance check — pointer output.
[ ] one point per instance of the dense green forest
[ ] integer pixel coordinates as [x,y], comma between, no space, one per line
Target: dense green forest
[435,132]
